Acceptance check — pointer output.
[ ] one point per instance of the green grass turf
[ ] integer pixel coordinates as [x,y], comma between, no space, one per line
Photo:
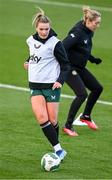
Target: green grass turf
[22,143]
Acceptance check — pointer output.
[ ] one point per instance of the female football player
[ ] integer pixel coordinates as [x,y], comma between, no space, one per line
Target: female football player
[48,67]
[78,45]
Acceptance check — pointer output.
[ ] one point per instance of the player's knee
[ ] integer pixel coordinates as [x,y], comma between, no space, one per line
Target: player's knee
[99,89]
[53,121]
[84,96]
[41,117]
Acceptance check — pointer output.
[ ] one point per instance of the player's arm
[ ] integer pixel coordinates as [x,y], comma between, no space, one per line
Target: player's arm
[61,56]
[71,40]
[95,60]
[26,63]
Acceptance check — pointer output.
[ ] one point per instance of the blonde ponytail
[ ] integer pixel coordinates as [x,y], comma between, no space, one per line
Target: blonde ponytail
[40,17]
[90,14]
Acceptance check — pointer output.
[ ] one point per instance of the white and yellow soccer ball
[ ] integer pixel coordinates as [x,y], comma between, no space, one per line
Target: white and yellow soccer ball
[50,162]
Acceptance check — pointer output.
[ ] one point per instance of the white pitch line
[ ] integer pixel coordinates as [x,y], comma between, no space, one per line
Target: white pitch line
[72,5]
[62,95]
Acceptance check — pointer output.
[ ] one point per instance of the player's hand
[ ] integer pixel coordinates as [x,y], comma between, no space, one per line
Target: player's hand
[97,60]
[26,65]
[56,85]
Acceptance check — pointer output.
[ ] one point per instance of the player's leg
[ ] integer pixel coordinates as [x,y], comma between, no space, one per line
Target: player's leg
[95,90]
[39,108]
[53,98]
[52,108]
[76,84]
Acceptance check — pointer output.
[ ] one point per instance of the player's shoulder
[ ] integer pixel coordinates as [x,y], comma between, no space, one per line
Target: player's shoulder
[29,39]
[76,29]
[54,40]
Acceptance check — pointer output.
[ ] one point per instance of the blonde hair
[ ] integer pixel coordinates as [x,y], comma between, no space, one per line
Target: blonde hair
[40,17]
[90,14]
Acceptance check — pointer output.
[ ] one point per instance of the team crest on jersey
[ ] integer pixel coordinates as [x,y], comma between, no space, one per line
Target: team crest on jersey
[37,47]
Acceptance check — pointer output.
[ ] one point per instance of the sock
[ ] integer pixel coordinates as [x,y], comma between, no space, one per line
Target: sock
[87,117]
[57,147]
[68,125]
[57,129]
[50,133]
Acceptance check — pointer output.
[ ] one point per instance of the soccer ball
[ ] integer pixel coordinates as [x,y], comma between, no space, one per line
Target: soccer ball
[50,162]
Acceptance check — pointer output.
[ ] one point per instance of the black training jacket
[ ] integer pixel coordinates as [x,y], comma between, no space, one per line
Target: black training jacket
[78,45]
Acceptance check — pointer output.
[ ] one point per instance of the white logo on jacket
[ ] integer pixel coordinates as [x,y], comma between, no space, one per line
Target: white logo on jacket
[74,73]
[85,41]
[72,35]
